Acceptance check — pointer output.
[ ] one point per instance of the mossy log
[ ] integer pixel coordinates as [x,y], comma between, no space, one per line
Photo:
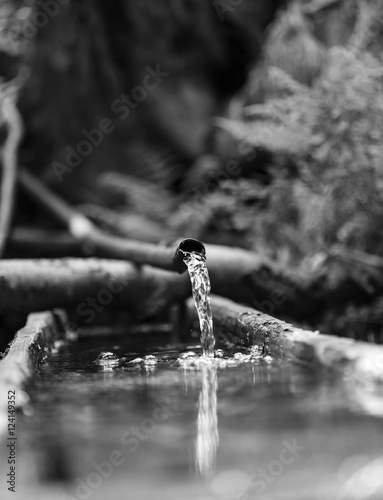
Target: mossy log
[253,279]
[358,362]
[28,349]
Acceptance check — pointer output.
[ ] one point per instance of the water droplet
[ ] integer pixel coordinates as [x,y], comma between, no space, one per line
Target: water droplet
[218,353]
[255,357]
[243,358]
[107,359]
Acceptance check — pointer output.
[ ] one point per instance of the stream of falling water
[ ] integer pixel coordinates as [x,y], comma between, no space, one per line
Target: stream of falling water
[199,277]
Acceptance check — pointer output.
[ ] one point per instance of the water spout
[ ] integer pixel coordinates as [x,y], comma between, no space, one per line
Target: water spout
[193,256]
[188,245]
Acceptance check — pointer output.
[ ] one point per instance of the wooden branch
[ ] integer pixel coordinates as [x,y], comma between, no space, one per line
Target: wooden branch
[235,273]
[34,243]
[95,241]
[9,163]
[355,361]
[252,279]
[36,285]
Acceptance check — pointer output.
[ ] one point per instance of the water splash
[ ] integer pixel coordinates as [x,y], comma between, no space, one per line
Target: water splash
[199,277]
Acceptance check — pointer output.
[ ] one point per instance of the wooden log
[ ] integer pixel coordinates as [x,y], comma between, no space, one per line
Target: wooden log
[29,348]
[358,361]
[253,279]
[29,243]
[235,273]
[36,285]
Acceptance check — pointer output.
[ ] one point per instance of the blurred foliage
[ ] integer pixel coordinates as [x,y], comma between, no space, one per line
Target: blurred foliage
[330,124]
[316,104]
[319,105]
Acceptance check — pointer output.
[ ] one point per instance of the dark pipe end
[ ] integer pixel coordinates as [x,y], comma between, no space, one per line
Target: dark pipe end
[187,246]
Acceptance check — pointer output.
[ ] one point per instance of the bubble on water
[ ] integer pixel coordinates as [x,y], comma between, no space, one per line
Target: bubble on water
[228,363]
[239,356]
[191,361]
[150,360]
[242,357]
[255,354]
[187,355]
[136,361]
[190,364]
[222,364]
[206,360]
[107,359]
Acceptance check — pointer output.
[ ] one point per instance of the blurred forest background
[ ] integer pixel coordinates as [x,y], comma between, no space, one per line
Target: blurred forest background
[287,163]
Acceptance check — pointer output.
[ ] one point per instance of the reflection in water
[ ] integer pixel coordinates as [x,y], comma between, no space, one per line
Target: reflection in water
[207,423]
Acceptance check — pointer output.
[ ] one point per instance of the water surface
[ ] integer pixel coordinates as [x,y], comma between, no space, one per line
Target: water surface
[240,426]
